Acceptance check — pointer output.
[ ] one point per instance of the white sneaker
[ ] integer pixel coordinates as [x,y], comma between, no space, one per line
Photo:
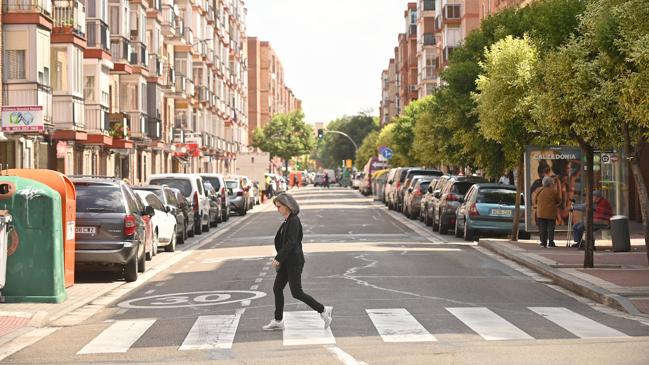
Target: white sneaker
[327,316]
[274,325]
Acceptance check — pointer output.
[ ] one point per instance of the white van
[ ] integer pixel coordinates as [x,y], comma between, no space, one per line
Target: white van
[191,186]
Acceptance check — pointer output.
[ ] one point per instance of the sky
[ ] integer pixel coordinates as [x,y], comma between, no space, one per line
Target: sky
[333,51]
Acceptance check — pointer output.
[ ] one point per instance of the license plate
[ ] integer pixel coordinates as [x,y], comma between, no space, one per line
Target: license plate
[501,212]
[86,230]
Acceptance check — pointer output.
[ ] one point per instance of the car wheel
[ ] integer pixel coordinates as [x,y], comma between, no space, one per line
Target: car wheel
[215,222]
[243,211]
[524,235]
[197,227]
[141,265]
[155,244]
[433,223]
[171,247]
[131,269]
[149,255]
[458,231]
[469,234]
[443,227]
[206,227]
[190,233]
[227,214]
[183,234]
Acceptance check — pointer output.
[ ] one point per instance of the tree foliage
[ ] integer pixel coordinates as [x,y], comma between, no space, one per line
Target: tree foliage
[367,149]
[335,147]
[285,136]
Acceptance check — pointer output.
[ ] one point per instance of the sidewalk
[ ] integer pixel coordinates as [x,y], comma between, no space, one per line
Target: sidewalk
[619,279]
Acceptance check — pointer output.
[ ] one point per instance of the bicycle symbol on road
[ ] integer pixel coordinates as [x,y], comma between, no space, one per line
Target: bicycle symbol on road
[192,299]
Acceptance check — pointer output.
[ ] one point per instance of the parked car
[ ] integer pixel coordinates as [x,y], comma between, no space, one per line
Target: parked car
[163,221]
[389,187]
[168,197]
[488,209]
[186,210]
[109,228]
[358,180]
[412,202]
[446,199]
[394,186]
[218,182]
[426,202]
[191,185]
[245,184]
[407,175]
[379,179]
[236,195]
[215,204]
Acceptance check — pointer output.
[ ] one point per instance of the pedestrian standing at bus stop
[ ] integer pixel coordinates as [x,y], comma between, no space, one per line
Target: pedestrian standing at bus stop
[289,263]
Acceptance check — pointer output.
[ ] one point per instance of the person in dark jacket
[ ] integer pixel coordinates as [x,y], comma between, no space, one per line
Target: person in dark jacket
[289,263]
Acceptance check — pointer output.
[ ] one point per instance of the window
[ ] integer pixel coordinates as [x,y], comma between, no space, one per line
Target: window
[59,68]
[15,64]
[89,88]
[155,202]
[453,11]
[429,4]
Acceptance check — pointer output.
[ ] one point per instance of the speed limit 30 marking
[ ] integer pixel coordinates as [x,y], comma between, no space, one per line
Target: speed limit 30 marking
[192,299]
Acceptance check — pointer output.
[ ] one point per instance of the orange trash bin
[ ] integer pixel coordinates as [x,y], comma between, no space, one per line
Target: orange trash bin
[64,186]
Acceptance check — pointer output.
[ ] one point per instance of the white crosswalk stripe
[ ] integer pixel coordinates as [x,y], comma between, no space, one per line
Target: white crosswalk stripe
[577,324]
[119,337]
[398,325]
[306,328]
[393,325]
[488,324]
[212,332]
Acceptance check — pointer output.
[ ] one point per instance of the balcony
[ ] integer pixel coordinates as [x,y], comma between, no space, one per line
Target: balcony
[138,54]
[138,123]
[98,34]
[169,77]
[188,36]
[203,94]
[29,94]
[452,13]
[180,84]
[429,73]
[67,112]
[69,17]
[28,6]
[429,39]
[169,21]
[120,48]
[155,65]
[96,119]
[189,88]
[448,51]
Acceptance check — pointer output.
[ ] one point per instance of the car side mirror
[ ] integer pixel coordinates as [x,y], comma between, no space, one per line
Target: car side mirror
[148,210]
[168,209]
[461,199]
[410,190]
[437,194]
[390,181]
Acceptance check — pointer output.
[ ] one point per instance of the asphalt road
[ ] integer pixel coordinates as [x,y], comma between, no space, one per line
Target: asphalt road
[400,294]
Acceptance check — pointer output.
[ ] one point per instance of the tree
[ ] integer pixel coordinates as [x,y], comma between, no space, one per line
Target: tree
[285,136]
[367,150]
[335,147]
[504,102]
[574,100]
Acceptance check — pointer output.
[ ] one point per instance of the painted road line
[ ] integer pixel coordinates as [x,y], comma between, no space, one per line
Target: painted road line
[212,332]
[344,357]
[488,324]
[254,287]
[119,337]
[575,323]
[398,325]
[258,280]
[306,328]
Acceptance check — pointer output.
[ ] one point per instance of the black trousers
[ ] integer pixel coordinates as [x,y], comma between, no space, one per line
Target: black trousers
[546,230]
[292,274]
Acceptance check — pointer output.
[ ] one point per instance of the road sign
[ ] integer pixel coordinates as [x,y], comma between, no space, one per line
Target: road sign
[606,158]
[387,153]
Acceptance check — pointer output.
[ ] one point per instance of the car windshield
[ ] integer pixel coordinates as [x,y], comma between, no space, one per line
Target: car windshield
[214,181]
[461,187]
[497,196]
[183,185]
[158,192]
[232,184]
[99,199]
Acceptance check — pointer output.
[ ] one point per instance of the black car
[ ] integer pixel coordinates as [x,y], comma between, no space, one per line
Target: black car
[186,209]
[407,175]
[168,198]
[109,228]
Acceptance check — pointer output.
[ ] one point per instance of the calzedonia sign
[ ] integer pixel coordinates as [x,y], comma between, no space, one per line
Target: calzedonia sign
[22,119]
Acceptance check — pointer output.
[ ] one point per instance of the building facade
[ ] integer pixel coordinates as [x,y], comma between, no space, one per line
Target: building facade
[267,90]
[125,88]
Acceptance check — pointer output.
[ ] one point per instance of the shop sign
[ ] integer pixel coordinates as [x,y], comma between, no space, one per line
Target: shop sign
[22,119]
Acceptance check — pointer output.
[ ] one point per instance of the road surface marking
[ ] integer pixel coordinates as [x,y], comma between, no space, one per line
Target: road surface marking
[575,323]
[258,280]
[398,325]
[306,328]
[119,337]
[149,291]
[263,273]
[254,287]
[212,332]
[488,324]
[346,358]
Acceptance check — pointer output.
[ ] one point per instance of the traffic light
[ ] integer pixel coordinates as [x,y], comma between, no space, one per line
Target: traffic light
[320,133]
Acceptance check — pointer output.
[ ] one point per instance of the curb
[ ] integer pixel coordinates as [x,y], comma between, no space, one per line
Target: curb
[565,280]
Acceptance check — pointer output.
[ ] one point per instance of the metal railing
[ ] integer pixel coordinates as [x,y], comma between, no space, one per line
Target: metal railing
[28,6]
[29,93]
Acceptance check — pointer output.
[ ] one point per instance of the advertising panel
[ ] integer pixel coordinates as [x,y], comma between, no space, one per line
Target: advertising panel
[22,119]
[564,165]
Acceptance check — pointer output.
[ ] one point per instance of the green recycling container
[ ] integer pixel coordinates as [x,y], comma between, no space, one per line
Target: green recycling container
[35,271]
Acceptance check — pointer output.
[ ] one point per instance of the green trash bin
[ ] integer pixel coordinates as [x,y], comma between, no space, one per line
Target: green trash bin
[35,271]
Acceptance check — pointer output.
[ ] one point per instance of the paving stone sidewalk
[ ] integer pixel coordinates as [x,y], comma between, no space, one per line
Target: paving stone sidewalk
[619,279]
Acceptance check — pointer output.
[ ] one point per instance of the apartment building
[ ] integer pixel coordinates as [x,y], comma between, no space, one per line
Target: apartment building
[389,97]
[267,90]
[489,7]
[427,54]
[408,57]
[124,88]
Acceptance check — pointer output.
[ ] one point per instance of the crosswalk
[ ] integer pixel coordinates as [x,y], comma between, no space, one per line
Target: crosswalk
[392,325]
